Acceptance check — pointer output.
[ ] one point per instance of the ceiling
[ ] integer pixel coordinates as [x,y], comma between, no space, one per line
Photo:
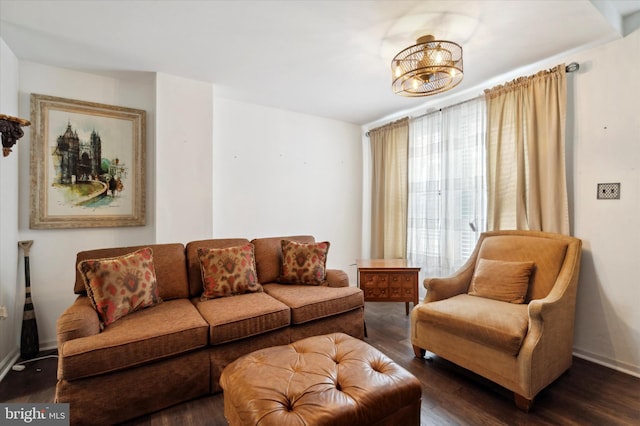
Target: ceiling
[326,58]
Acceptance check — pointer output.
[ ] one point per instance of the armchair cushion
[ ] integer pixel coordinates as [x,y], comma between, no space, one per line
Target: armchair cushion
[501,280]
[547,253]
[486,321]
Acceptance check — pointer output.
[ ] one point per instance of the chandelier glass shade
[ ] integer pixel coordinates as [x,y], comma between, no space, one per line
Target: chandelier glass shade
[429,67]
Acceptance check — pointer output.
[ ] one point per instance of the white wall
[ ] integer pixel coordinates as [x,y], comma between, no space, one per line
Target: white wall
[184,110]
[9,328]
[285,173]
[603,145]
[280,173]
[606,146]
[53,253]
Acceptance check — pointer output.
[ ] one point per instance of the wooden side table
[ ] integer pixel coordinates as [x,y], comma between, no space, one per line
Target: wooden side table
[388,280]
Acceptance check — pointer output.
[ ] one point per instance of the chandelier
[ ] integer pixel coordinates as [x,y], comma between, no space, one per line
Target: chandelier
[429,67]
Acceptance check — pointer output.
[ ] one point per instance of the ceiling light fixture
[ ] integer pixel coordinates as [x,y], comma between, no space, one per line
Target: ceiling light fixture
[429,67]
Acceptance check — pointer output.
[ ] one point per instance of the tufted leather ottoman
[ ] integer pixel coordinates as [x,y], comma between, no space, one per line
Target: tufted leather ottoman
[322,380]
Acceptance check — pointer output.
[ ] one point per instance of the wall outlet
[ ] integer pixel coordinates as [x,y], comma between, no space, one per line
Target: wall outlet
[609,191]
[3,313]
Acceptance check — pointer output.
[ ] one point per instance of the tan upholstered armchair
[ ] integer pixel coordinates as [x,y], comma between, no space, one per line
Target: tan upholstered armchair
[468,320]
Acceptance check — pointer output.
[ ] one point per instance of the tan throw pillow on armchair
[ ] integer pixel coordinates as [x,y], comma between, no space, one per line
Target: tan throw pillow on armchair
[501,280]
[303,263]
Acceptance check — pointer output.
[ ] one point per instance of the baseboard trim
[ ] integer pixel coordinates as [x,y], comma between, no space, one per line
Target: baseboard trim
[8,362]
[623,367]
[12,358]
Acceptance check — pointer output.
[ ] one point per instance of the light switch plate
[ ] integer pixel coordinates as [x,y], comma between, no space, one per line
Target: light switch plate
[609,191]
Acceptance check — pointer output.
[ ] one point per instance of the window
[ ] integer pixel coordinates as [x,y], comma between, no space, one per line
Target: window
[447,186]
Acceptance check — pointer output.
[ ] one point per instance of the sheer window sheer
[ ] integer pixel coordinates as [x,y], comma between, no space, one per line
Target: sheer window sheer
[447,200]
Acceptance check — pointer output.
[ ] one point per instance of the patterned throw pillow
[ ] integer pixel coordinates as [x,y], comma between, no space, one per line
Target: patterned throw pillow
[303,263]
[501,280]
[228,271]
[120,285]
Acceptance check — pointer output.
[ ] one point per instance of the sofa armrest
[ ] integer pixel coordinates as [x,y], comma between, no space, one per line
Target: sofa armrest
[78,320]
[337,278]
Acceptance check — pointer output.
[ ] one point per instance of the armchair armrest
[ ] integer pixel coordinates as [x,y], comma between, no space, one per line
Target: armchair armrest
[559,305]
[557,309]
[78,320]
[336,278]
[444,288]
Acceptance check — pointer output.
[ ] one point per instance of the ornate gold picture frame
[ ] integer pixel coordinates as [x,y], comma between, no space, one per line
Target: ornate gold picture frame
[87,164]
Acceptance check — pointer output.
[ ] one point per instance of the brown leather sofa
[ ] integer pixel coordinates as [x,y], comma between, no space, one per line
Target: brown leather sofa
[175,351]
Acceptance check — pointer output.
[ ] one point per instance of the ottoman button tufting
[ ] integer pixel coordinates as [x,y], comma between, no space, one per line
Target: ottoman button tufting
[320,380]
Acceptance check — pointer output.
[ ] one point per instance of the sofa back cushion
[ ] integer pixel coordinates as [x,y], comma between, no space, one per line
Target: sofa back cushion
[269,255]
[193,261]
[547,254]
[168,259]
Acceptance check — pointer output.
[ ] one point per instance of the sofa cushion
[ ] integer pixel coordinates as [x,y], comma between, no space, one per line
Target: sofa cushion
[501,280]
[489,322]
[193,261]
[236,317]
[228,271]
[132,341]
[169,261]
[303,263]
[269,255]
[308,303]
[118,286]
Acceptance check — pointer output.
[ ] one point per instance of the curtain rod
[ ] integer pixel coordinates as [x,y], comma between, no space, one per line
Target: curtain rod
[572,67]
[411,117]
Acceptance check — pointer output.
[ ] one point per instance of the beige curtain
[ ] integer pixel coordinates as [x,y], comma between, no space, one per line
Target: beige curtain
[526,153]
[389,150]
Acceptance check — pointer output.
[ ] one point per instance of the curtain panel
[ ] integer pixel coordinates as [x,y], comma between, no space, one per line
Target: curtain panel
[447,186]
[526,176]
[389,145]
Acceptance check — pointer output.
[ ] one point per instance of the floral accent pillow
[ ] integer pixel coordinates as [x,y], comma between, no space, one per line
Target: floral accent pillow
[228,271]
[303,263]
[118,286]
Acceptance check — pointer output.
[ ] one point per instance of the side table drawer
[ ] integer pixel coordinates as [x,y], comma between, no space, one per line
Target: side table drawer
[388,280]
[402,285]
[375,285]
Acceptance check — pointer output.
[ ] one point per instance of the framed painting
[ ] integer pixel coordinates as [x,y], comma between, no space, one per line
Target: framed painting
[87,164]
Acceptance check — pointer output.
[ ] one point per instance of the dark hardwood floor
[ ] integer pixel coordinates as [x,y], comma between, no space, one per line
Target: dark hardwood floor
[588,394]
